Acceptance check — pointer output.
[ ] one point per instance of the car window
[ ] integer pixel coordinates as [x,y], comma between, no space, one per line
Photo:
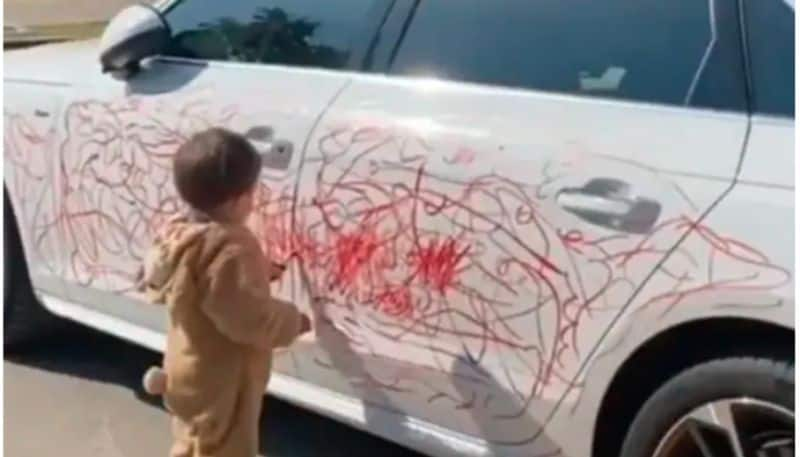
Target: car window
[291,32]
[682,52]
[770,36]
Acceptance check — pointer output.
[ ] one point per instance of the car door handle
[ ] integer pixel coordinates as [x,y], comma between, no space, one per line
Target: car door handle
[276,154]
[610,203]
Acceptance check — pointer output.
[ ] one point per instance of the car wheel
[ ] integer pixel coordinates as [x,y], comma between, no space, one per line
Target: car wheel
[737,407]
[23,316]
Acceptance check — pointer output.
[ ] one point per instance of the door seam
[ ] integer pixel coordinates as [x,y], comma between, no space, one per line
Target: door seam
[582,368]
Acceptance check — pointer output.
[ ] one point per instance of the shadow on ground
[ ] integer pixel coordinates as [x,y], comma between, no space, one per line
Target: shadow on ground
[286,430]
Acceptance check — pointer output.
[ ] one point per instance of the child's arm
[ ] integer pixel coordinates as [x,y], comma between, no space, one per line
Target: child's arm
[239,300]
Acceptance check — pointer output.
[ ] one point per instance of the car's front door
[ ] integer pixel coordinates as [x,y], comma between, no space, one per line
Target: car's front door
[472,242]
[265,68]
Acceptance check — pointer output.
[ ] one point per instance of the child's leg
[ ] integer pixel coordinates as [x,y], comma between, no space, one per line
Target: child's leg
[239,437]
[183,443]
[251,417]
[242,439]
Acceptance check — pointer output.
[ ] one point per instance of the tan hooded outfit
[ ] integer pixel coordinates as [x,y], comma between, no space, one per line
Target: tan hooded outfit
[223,326]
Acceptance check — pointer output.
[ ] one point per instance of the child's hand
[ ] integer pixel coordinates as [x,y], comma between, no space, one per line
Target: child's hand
[275,270]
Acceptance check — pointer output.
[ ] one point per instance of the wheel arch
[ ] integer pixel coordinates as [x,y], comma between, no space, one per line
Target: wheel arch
[628,389]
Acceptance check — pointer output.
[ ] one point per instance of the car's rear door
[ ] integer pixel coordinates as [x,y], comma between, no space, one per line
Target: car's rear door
[265,67]
[482,212]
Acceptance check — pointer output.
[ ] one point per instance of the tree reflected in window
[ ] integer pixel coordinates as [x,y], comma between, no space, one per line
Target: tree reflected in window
[271,34]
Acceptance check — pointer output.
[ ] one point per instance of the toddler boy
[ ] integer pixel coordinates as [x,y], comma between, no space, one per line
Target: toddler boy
[210,272]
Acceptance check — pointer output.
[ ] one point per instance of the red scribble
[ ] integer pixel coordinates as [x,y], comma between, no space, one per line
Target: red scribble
[437,263]
[573,239]
[353,251]
[463,156]
[469,266]
[395,302]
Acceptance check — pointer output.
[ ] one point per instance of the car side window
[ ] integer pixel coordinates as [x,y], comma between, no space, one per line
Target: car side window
[770,36]
[289,32]
[677,52]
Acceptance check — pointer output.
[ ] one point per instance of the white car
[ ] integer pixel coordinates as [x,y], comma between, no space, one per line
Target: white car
[543,228]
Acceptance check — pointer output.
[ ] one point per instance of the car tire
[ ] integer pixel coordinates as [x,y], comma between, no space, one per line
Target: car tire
[23,317]
[685,398]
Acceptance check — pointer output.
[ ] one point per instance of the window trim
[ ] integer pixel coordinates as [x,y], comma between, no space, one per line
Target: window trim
[752,93]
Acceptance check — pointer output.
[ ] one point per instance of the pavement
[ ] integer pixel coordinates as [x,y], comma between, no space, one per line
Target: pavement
[77,392]
[53,12]
[35,21]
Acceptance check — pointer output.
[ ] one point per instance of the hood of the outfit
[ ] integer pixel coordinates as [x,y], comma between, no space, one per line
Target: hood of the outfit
[169,253]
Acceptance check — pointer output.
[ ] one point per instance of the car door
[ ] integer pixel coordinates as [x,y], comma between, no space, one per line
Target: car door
[263,68]
[479,211]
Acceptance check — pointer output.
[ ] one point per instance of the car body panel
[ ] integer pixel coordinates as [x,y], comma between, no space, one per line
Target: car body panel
[408,196]
[474,158]
[770,153]
[751,282]
[104,180]
[71,63]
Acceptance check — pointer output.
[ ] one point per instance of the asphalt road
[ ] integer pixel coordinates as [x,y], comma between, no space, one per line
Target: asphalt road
[77,393]
[48,12]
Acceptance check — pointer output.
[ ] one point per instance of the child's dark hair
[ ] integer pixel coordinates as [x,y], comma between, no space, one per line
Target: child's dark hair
[213,167]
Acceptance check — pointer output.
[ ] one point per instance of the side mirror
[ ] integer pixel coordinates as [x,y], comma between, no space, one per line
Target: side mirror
[134,34]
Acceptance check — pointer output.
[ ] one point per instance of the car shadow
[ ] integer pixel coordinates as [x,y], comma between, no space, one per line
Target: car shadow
[523,434]
[73,350]
[379,413]
[286,430]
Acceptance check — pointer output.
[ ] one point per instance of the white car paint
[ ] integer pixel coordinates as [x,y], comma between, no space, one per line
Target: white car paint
[510,144]
[586,138]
